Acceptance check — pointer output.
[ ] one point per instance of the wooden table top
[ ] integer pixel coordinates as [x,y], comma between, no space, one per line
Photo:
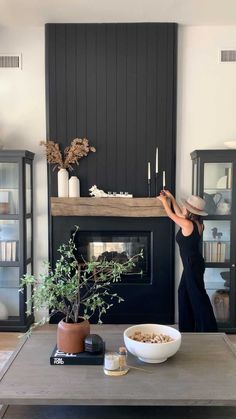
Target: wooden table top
[202,373]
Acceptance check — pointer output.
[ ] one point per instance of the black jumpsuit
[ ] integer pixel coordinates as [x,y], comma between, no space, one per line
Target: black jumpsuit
[195,309]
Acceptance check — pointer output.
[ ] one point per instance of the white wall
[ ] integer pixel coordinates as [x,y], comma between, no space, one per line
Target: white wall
[206,106]
[206,114]
[22,117]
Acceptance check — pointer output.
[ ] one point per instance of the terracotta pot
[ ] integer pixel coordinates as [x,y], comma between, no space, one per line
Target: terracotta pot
[71,336]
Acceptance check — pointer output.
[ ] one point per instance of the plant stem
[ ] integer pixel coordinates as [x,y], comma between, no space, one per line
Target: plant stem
[78,295]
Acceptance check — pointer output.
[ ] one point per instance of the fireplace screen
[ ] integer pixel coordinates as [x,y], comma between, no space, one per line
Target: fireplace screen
[118,246]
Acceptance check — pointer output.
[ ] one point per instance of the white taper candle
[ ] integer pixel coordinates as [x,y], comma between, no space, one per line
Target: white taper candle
[149,170]
[164,179]
[157,160]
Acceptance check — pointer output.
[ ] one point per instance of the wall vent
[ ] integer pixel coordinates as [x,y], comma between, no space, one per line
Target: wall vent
[10,61]
[228,55]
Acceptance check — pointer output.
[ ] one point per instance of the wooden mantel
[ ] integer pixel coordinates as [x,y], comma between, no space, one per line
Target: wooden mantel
[107,207]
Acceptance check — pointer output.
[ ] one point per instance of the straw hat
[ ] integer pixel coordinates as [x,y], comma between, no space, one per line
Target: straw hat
[195,204]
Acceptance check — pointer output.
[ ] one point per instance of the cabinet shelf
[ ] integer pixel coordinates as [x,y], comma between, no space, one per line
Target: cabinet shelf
[218,189]
[217,264]
[13,264]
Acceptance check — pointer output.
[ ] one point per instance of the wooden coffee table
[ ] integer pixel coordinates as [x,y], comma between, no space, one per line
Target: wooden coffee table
[202,373]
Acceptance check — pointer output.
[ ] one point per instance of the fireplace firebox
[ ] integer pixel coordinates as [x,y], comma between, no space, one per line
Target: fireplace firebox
[118,246]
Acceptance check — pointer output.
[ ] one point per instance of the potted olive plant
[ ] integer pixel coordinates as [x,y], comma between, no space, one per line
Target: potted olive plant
[76,290]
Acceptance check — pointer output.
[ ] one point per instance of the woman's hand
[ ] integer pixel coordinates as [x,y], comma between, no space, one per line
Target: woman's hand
[162,197]
[167,193]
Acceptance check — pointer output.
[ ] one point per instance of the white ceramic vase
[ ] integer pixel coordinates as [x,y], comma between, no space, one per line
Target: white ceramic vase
[74,187]
[63,183]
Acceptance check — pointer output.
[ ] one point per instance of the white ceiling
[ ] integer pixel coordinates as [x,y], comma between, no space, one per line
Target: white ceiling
[186,12]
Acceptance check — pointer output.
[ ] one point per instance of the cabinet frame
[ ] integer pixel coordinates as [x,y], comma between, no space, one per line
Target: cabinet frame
[200,158]
[22,158]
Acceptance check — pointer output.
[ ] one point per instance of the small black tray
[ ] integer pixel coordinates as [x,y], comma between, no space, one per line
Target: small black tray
[83,358]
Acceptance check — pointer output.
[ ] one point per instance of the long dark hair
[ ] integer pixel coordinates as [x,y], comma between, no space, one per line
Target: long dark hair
[195,217]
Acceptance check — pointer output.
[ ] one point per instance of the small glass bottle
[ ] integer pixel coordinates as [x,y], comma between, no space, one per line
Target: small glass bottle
[123,358]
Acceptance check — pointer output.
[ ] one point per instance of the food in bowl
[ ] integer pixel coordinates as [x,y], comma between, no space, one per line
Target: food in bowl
[150,337]
[152,352]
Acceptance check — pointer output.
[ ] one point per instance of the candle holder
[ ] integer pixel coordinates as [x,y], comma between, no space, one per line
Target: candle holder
[156,184]
[149,188]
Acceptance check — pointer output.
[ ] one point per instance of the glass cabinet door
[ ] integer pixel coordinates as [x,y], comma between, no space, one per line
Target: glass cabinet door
[217,283]
[216,252]
[9,293]
[16,242]
[216,241]
[217,189]
[9,188]
[214,180]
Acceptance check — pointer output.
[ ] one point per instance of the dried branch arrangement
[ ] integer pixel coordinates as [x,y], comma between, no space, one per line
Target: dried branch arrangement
[72,154]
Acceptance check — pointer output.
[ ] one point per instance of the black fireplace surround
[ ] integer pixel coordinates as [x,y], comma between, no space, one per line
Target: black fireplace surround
[148,297]
[116,85]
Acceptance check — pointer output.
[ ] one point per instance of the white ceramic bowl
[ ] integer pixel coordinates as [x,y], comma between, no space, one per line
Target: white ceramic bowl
[152,352]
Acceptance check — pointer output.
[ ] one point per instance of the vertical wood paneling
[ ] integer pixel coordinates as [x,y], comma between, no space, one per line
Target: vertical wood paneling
[151,93]
[131,97]
[81,98]
[115,84]
[171,103]
[81,80]
[60,93]
[141,138]
[122,106]
[71,109]
[162,115]
[111,119]
[91,114]
[51,109]
[101,137]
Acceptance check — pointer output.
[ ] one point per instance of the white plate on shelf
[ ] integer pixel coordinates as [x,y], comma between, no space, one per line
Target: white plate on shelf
[230,144]
[222,183]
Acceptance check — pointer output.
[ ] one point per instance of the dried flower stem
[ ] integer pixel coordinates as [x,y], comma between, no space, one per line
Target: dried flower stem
[72,154]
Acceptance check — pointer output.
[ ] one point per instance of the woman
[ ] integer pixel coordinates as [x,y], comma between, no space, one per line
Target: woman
[195,309]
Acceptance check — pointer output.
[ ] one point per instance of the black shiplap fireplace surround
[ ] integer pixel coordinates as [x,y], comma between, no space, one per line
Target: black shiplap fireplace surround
[116,85]
[151,300]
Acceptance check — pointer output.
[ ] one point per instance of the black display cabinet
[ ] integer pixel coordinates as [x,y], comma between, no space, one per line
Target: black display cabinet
[214,178]
[16,233]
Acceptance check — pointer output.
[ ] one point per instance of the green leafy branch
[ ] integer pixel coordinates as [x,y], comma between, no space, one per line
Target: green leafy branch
[75,289]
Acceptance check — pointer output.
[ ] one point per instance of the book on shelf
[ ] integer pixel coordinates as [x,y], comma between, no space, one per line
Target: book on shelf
[8,251]
[2,251]
[216,251]
[228,173]
[4,202]
[13,251]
